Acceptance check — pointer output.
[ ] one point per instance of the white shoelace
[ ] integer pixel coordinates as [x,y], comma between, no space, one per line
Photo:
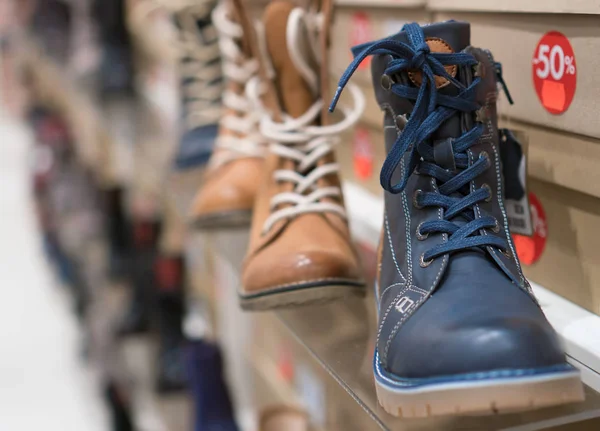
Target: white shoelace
[246,118]
[200,69]
[298,139]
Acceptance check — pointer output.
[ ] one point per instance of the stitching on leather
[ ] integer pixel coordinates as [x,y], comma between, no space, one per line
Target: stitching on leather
[387,312]
[418,303]
[399,323]
[389,236]
[501,203]
[397,380]
[515,258]
[409,268]
[423,298]
[408,279]
[407,227]
[409,264]
[419,290]
[389,287]
[416,289]
[413,309]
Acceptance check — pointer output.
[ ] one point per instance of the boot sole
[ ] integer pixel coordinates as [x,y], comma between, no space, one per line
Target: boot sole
[498,392]
[301,294]
[223,220]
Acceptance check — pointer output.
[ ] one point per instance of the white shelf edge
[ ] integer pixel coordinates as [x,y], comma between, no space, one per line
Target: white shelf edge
[578,328]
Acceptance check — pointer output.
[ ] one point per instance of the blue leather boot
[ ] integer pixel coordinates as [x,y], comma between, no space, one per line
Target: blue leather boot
[459,328]
[201,83]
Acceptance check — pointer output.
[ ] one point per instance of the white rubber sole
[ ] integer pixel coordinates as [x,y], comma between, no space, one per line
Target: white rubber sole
[480,397]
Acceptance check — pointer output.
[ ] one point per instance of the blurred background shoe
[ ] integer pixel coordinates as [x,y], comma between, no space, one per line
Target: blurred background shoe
[213,410]
[227,194]
[170,311]
[141,275]
[116,66]
[201,82]
[300,248]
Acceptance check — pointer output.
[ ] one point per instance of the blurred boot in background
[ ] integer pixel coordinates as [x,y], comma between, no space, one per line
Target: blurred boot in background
[116,71]
[170,310]
[145,236]
[227,194]
[212,405]
[201,82]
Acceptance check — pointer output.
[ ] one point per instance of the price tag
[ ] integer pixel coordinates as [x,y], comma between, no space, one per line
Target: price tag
[360,32]
[513,152]
[530,249]
[555,72]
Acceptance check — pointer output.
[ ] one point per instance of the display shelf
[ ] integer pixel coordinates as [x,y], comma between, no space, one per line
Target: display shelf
[340,336]
[348,359]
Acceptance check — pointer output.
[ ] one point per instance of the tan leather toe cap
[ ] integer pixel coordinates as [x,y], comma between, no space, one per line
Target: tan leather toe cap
[302,260]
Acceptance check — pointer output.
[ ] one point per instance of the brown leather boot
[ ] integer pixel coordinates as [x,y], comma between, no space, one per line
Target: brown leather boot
[231,182]
[300,246]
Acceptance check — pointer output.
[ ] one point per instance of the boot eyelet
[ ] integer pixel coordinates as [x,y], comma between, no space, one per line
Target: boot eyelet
[386,82]
[496,228]
[507,254]
[424,263]
[401,122]
[415,203]
[421,236]
[489,189]
[486,156]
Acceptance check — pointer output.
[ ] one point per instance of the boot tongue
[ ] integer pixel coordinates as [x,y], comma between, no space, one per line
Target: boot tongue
[294,93]
[456,34]
[447,37]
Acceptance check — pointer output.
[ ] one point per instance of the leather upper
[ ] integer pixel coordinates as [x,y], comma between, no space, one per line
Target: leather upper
[472,310]
[231,186]
[308,247]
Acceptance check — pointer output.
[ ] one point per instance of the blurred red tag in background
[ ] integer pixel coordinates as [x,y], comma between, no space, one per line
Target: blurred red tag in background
[363,154]
[360,32]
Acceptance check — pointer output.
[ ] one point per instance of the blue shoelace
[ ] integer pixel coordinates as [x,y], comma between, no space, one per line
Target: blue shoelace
[430,110]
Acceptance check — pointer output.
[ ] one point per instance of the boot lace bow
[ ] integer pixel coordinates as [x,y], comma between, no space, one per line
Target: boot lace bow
[414,147]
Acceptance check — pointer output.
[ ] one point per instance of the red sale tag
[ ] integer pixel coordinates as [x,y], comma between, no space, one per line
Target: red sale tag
[554,72]
[363,154]
[530,248]
[360,32]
